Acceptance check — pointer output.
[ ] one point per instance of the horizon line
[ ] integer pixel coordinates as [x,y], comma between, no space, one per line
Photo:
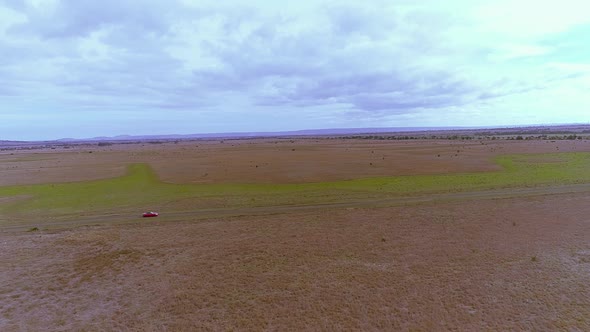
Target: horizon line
[354,130]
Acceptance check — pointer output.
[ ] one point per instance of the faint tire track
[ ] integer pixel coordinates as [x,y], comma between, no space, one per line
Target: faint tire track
[166,216]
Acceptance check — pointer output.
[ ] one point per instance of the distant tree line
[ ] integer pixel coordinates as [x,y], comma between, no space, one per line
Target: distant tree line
[518,137]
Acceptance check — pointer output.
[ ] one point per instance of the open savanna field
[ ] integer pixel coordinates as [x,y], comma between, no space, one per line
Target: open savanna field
[297,234]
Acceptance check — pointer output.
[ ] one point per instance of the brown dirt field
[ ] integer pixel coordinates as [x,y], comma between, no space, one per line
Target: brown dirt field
[498,260]
[236,160]
[496,264]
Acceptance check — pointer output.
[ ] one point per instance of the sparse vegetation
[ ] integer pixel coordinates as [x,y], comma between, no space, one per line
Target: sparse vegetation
[302,271]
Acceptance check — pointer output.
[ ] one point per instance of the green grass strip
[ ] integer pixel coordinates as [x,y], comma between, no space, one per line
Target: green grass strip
[140,188]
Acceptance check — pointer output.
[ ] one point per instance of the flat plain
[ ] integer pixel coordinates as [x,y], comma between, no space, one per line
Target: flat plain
[297,234]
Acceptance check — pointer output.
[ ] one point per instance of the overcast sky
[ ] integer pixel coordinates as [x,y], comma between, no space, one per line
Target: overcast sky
[84,68]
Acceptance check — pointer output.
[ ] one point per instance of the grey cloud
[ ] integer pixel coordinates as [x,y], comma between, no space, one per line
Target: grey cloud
[77,18]
[394,91]
[7,90]
[396,104]
[18,5]
[313,67]
[508,87]
[362,20]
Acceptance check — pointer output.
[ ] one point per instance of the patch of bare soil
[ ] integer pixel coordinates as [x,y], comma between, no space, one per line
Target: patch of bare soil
[498,264]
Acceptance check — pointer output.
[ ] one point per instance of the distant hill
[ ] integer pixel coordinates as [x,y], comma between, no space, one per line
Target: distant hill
[308,132]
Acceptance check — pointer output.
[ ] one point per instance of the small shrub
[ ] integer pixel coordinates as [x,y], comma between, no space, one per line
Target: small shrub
[33,229]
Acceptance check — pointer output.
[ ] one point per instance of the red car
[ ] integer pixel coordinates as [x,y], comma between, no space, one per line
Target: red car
[150,214]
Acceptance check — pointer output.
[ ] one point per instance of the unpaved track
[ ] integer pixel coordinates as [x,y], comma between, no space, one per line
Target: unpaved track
[169,216]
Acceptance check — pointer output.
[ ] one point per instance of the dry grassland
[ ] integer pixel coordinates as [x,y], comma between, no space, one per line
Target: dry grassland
[518,263]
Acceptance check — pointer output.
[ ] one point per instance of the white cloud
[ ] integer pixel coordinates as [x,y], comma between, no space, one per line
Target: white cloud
[532,18]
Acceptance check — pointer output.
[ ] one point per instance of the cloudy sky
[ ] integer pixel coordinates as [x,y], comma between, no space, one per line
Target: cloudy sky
[84,68]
